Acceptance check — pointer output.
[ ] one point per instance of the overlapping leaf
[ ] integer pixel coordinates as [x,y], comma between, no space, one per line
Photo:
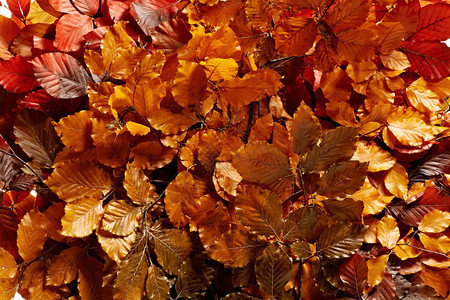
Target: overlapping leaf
[340,240]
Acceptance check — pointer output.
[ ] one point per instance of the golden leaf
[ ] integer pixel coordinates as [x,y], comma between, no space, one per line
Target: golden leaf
[226,178]
[439,242]
[138,186]
[90,275]
[377,158]
[342,113]
[388,232]
[435,221]
[34,281]
[189,85]
[64,267]
[336,86]
[75,130]
[151,155]
[157,284]
[8,265]
[31,235]
[115,246]
[120,217]
[437,279]
[409,250]
[395,60]
[215,222]
[376,268]
[137,129]
[356,45]
[259,209]
[422,98]
[81,217]
[295,36]
[99,96]
[75,179]
[374,202]
[396,181]
[194,277]
[391,35]
[361,71]
[130,280]
[220,68]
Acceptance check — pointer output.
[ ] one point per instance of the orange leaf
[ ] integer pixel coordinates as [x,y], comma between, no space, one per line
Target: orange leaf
[8,265]
[435,221]
[388,232]
[391,36]
[346,15]
[9,30]
[120,218]
[70,30]
[377,158]
[226,178]
[138,186]
[137,128]
[376,268]
[439,242]
[64,267]
[72,180]
[75,130]
[396,181]
[220,68]
[189,85]
[157,284]
[215,223]
[295,36]
[116,247]
[422,98]
[90,275]
[374,202]
[81,217]
[304,129]
[31,235]
[130,280]
[437,279]
[356,45]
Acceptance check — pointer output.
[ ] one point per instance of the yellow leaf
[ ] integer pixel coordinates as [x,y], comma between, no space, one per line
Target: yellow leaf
[8,265]
[342,113]
[189,85]
[81,217]
[396,181]
[120,218]
[336,85]
[377,158]
[220,68]
[422,98]
[222,43]
[114,41]
[388,232]
[361,71]
[406,251]
[439,242]
[99,95]
[137,129]
[435,221]
[376,268]
[395,60]
[38,15]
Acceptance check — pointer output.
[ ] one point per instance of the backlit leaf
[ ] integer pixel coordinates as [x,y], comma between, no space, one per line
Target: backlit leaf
[273,270]
[396,181]
[342,179]
[81,217]
[189,85]
[388,232]
[305,129]
[16,75]
[120,217]
[70,30]
[439,242]
[434,23]
[435,221]
[236,248]
[194,277]
[157,284]
[9,30]
[337,145]
[172,246]
[219,68]
[36,136]
[31,235]
[385,290]
[377,158]
[61,75]
[353,272]
[348,15]
[376,268]
[259,209]
[340,240]
[19,8]
[72,180]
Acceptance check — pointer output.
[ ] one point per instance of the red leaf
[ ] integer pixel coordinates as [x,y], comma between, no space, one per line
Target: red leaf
[19,8]
[171,35]
[87,7]
[431,59]
[61,75]
[431,199]
[70,30]
[64,6]
[151,13]
[36,100]
[434,23]
[353,272]
[8,230]
[16,75]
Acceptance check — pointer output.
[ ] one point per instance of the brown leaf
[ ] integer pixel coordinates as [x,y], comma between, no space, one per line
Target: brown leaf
[120,217]
[273,270]
[226,177]
[304,129]
[72,180]
[31,235]
[194,277]
[236,248]
[259,209]
[157,284]
[36,136]
[337,145]
[340,240]
[33,280]
[130,280]
[345,210]
[172,246]
[342,179]
[301,249]
[64,267]
[385,290]
[294,36]
[353,272]
[90,275]
[138,186]
[81,217]
[299,223]
[8,265]
[215,223]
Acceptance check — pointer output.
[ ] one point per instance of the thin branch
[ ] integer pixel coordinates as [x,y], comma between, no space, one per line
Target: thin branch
[424,250]
[14,155]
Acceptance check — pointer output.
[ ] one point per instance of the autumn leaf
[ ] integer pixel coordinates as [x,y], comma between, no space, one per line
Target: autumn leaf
[340,240]
[376,268]
[70,30]
[115,246]
[17,75]
[8,266]
[138,186]
[388,232]
[31,235]
[64,267]
[120,217]
[75,130]
[292,32]
[299,223]
[377,158]
[353,272]
[396,181]
[81,217]
[435,221]
[130,280]
[149,14]
[157,284]
[194,277]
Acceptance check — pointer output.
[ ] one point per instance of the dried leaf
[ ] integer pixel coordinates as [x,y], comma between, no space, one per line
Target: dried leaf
[340,240]
[273,270]
[8,265]
[353,272]
[294,36]
[138,186]
[64,267]
[81,217]
[120,217]
[396,181]
[388,232]
[435,221]
[378,159]
[75,130]
[299,223]
[157,284]
[115,246]
[130,280]
[31,235]
[194,277]
[376,268]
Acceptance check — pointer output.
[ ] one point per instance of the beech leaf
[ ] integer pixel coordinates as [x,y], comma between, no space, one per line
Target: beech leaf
[16,75]
[194,277]
[70,30]
[299,223]
[149,14]
[388,232]
[64,267]
[120,217]
[81,217]
[31,235]
[340,240]
[353,272]
[130,280]
[8,265]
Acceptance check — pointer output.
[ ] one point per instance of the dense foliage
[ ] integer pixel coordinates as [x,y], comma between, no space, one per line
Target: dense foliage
[295,149]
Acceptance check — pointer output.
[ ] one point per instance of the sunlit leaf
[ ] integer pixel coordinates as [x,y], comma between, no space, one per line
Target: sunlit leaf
[149,14]
[388,232]
[434,23]
[138,186]
[8,265]
[16,75]
[115,246]
[273,270]
[73,180]
[130,280]
[70,30]
[157,284]
[81,217]
[31,235]
[120,217]
[219,68]
[377,158]
[396,181]
[340,240]
[376,268]
[189,85]
[435,221]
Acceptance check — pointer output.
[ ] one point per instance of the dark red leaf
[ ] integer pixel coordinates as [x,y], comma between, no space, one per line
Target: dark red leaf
[412,213]
[8,230]
[431,59]
[36,100]
[16,75]
[151,13]
[171,35]
[434,23]
[353,272]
